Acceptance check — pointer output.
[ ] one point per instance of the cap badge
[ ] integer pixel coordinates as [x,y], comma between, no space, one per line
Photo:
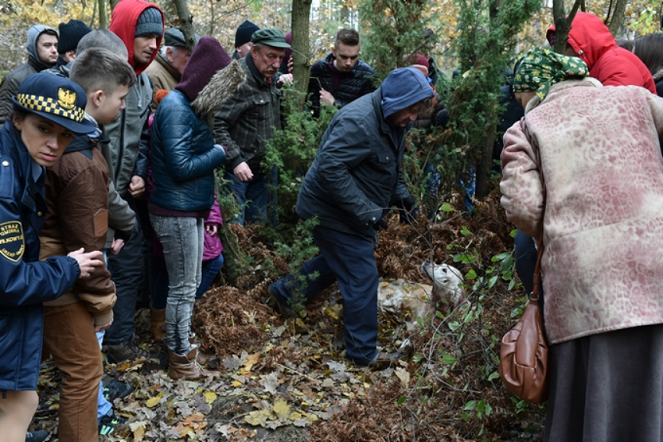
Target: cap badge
[66,98]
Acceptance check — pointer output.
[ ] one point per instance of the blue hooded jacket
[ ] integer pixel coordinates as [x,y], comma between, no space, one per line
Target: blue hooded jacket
[356,176]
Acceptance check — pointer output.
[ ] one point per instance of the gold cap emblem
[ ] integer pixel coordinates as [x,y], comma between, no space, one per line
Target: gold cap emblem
[66,98]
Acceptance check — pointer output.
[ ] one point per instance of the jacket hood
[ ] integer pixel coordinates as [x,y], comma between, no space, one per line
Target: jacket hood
[33,35]
[402,88]
[589,37]
[207,58]
[123,24]
[222,85]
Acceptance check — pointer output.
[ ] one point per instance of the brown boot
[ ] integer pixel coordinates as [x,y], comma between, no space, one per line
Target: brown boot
[202,358]
[185,367]
[158,323]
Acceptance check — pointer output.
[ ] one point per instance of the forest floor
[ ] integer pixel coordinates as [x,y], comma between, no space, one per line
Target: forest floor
[276,380]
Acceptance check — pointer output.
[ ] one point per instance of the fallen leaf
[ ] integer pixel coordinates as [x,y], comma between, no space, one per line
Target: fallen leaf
[210,397]
[403,375]
[154,401]
[270,382]
[282,410]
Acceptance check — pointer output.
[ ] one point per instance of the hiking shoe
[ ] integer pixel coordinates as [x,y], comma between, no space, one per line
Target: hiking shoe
[383,360]
[282,308]
[126,351]
[36,436]
[108,422]
[117,390]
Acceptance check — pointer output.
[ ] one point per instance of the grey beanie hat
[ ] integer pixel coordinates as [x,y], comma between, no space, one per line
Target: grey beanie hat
[149,23]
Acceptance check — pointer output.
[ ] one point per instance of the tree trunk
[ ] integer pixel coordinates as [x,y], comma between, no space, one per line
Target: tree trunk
[486,160]
[113,3]
[615,22]
[563,23]
[186,23]
[103,20]
[301,11]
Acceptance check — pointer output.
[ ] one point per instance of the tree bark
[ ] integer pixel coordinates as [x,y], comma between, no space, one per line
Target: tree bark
[617,18]
[563,23]
[186,23]
[103,18]
[301,11]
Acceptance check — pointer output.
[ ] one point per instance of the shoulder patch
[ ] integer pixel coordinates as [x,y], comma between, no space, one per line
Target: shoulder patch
[12,240]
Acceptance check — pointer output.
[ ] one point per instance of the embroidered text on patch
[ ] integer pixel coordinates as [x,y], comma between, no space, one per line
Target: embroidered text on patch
[12,242]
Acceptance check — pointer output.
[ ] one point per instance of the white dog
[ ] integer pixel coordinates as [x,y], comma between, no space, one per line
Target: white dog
[421,300]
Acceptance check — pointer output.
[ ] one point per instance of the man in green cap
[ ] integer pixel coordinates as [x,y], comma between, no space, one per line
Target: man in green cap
[249,118]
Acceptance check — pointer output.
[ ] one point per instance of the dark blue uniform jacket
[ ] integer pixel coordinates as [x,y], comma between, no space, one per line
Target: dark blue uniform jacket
[25,282]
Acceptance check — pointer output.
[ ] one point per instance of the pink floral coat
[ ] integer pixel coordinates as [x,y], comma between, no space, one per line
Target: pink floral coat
[602,266]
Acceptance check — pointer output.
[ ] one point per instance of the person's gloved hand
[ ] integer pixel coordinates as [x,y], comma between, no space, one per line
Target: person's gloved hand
[380,224]
[408,210]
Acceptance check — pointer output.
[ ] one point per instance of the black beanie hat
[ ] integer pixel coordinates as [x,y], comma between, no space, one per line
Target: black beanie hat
[244,33]
[149,23]
[70,34]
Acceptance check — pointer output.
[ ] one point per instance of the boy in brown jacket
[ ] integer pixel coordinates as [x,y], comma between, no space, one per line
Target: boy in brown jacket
[77,216]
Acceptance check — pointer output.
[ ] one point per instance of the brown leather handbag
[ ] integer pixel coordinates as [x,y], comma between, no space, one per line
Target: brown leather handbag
[524,350]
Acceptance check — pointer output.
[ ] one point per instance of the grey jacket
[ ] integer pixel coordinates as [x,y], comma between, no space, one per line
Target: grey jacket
[129,142]
[356,176]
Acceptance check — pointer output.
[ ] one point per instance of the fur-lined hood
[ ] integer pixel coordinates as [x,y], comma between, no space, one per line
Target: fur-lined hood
[219,89]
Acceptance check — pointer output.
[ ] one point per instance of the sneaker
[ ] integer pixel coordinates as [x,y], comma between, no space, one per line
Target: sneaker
[108,422]
[117,390]
[126,351]
[36,436]
[282,307]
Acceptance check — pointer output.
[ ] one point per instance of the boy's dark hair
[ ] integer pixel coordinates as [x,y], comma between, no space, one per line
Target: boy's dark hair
[348,37]
[48,32]
[98,68]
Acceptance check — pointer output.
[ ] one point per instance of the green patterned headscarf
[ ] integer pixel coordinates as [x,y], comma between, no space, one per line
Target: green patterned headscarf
[541,68]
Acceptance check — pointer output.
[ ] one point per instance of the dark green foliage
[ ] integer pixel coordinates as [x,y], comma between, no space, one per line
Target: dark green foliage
[393,29]
[293,149]
[485,51]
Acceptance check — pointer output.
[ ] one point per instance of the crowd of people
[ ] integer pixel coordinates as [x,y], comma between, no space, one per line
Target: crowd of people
[109,147]
[108,150]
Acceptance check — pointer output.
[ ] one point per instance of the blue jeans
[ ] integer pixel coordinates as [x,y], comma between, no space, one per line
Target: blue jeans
[103,406]
[128,273]
[350,261]
[211,268]
[252,196]
[182,240]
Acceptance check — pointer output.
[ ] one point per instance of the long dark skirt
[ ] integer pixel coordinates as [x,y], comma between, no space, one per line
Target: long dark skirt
[607,387]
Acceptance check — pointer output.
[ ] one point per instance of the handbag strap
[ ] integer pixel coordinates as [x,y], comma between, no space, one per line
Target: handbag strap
[537,268]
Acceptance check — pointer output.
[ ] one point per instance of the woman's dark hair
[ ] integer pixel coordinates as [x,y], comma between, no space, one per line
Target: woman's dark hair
[649,49]
[626,44]
[18,112]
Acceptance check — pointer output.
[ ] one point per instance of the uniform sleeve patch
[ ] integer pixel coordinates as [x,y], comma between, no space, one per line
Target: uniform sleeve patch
[12,241]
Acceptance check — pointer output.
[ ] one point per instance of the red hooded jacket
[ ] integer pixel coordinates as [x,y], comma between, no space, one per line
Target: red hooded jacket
[591,39]
[123,24]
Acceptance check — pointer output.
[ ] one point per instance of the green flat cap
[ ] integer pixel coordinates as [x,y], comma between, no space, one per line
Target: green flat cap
[270,37]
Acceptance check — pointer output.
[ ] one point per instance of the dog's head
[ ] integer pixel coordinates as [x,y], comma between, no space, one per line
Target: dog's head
[447,291]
